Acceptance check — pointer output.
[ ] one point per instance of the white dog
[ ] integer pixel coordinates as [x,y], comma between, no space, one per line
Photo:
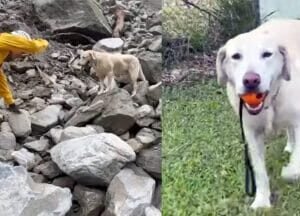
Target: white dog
[109,66]
[266,60]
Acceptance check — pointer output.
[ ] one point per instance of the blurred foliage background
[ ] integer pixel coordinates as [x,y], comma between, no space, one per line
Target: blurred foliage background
[208,23]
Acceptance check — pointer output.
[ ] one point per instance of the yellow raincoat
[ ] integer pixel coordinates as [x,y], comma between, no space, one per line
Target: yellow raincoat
[10,43]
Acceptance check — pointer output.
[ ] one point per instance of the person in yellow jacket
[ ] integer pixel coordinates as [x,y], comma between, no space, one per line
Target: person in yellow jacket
[15,45]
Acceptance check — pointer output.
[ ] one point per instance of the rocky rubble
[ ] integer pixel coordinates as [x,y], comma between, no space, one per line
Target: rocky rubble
[70,151]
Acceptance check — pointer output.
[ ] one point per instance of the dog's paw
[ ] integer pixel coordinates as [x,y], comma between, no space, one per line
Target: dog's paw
[288,148]
[261,202]
[290,173]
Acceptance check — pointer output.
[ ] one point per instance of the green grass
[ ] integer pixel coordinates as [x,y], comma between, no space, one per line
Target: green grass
[203,169]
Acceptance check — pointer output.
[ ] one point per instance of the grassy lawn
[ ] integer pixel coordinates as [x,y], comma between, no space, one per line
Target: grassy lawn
[203,169]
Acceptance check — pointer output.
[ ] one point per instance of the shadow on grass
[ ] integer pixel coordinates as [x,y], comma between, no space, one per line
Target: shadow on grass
[203,169]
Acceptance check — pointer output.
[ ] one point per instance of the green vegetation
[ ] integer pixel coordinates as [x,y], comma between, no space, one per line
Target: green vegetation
[212,24]
[203,169]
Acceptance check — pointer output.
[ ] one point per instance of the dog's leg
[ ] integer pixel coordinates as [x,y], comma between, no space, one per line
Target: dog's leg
[135,86]
[134,72]
[291,172]
[110,82]
[290,140]
[257,154]
[101,85]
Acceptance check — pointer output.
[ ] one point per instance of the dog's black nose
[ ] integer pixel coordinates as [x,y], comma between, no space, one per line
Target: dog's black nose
[251,80]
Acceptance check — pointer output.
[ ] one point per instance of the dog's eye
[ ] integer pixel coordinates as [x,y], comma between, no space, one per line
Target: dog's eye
[266,54]
[236,56]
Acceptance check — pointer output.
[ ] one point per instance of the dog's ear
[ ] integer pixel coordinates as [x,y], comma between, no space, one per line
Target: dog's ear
[79,52]
[92,55]
[286,68]
[221,74]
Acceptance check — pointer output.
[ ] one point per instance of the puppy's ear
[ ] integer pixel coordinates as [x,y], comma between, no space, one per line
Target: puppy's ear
[286,68]
[221,74]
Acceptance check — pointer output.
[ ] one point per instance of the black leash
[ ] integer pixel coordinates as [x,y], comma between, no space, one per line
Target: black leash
[250,185]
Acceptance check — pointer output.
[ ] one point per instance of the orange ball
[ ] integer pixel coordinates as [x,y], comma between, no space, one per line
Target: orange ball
[253,99]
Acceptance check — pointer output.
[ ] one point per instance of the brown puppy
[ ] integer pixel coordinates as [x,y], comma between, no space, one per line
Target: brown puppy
[109,66]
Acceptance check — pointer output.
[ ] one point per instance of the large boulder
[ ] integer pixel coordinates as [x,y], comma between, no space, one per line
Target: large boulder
[20,123]
[94,159]
[21,196]
[75,132]
[150,160]
[119,114]
[79,16]
[128,190]
[152,65]
[84,114]
[43,120]
[90,200]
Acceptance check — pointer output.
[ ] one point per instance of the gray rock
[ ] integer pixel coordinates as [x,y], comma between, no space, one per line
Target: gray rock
[152,211]
[21,67]
[109,45]
[64,181]
[148,136]
[38,178]
[38,103]
[119,114]
[154,93]
[5,155]
[75,132]
[155,19]
[157,125]
[43,120]
[145,111]
[158,110]
[128,190]
[77,84]
[98,128]
[152,66]
[146,210]
[74,102]
[31,73]
[38,145]
[145,122]
[85,114]
[55,134]
[48,169]
[22,196]
[150,160]
[20,123]
[156,201]
[125,136]
[135,144]
[156,44]
[86,15]
[94,159]
[90,200]
[142,90]
[5,127]
[152,6]
[7,141]
[55,55]
[63,58]
[24,158]
[156,30]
